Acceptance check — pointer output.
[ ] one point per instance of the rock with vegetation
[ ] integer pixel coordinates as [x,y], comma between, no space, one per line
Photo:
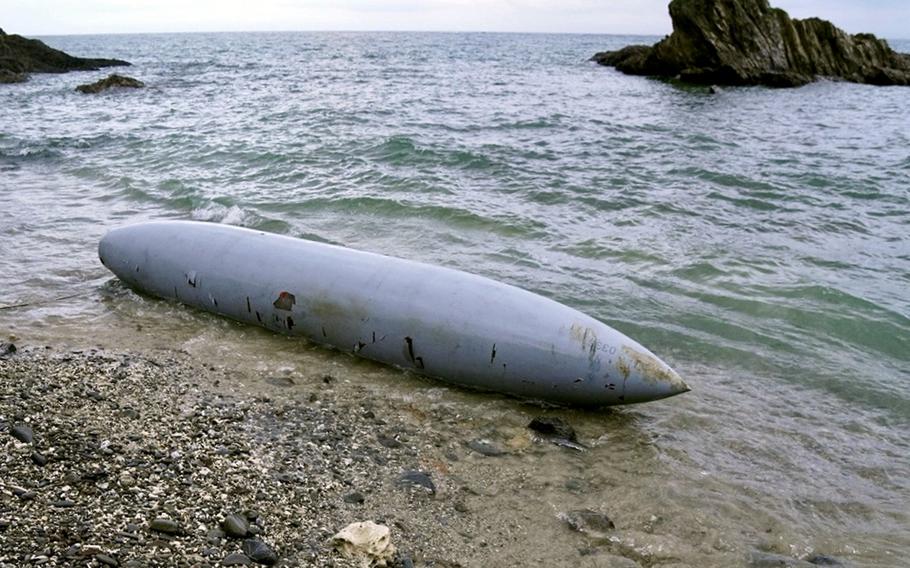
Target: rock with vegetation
[110,82]
[747,42]
[20,56]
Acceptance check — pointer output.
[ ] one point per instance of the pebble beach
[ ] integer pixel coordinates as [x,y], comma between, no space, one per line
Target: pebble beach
[120,460]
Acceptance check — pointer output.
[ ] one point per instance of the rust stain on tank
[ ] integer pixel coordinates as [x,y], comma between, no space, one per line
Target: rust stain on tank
[325,309]
[650,368]
[623,368]
[285,301]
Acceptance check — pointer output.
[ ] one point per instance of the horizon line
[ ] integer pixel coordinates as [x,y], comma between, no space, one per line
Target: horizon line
[390,31]
[280,31]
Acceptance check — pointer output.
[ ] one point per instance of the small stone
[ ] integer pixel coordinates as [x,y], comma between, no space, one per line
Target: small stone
[368,542]
[129,413]
[25,495]
[236,525]
[486,448]
[72,551]
[758,559]
[417,479]
[23,433]
[106,560]
[280,381]
[236,559]
[39,459]
[259,552]
[589,522]
[95,395]
[63,504]
[553,426]
[214,536]
[824,560]
[388,441]
[165,525]
[354,498]
[461,507]
[7,350]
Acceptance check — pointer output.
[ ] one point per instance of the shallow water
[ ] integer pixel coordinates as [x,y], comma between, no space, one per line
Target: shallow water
[755,239]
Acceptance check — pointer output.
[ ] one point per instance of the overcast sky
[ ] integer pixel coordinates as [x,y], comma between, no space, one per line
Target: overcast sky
[886,18]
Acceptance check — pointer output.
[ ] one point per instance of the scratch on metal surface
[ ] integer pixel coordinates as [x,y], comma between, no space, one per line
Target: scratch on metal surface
[409,352]
[586,336]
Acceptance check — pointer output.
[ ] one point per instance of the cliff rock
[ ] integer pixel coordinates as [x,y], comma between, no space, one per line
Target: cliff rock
[20,56]
[747,42]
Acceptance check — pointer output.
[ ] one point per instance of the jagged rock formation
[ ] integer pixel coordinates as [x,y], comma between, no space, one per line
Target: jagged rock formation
[20,56]
[747,42]
[110,82]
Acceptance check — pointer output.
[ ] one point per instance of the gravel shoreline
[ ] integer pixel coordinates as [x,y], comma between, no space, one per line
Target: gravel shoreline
[126,459]
[133,461]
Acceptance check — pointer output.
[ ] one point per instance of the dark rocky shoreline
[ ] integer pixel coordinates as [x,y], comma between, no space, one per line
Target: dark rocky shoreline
[747,42]
[20,56]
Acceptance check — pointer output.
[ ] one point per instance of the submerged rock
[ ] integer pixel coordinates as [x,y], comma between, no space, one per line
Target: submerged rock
[553,426]
[20,56]
[759,559]
[747,42]
[6,349]
[486,448]
[824,560]
[110,82]
[592,523]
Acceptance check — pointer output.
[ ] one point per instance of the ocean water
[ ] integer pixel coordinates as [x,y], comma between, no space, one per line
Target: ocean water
[755,239]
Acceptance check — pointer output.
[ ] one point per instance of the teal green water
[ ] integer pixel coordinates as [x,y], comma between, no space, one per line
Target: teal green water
[755,239]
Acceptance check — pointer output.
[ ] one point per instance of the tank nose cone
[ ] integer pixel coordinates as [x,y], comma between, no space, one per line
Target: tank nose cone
[647,377]
[116,252]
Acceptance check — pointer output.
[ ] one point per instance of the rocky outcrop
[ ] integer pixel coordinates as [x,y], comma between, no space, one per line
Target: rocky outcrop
[747,42]
[110,82]
[20,56]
